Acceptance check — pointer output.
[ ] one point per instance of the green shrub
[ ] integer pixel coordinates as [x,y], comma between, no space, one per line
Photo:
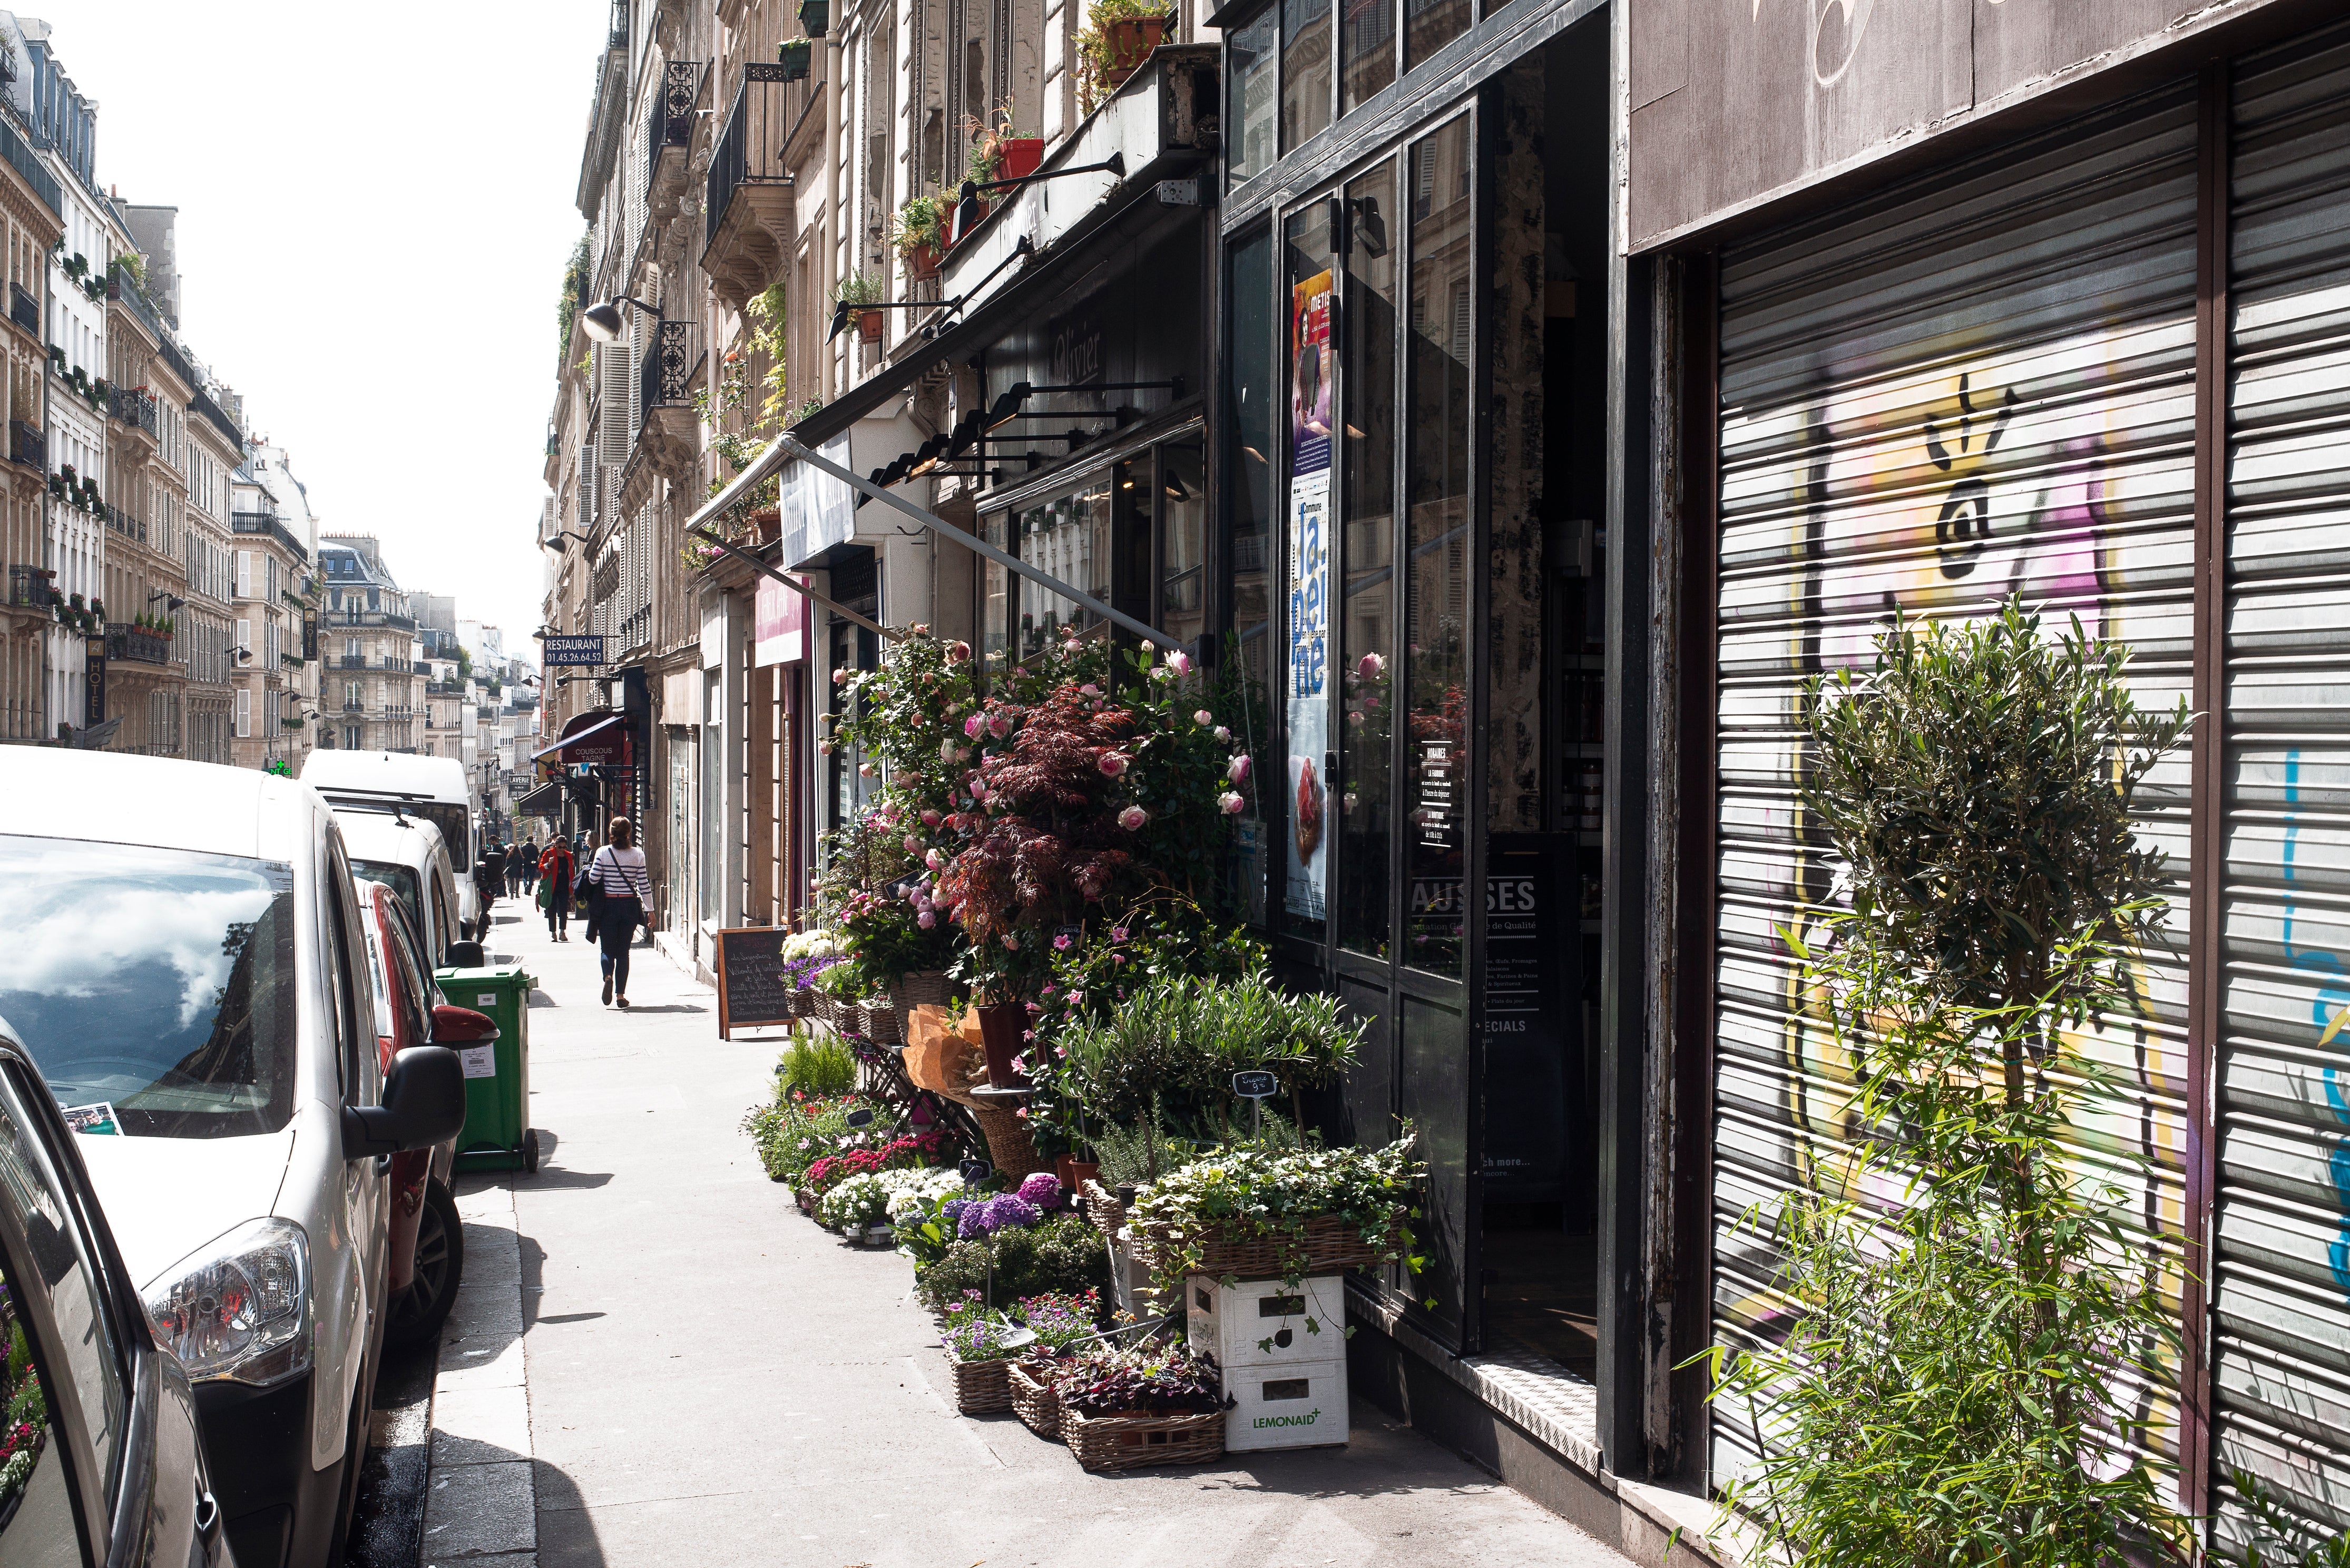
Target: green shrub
[1978,1316]
[794,1131]
[1063,1254]
[817,1064]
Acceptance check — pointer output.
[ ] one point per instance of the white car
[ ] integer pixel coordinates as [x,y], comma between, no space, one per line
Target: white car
[432,787]
[198,1001]
[404,851]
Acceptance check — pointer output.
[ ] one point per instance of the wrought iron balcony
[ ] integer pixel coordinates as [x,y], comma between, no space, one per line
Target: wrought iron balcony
[261,522]
[130,644]
[747,205]
[28,445]
[122,522]
[669,133]
[352,661]
[23,309]
[135,407]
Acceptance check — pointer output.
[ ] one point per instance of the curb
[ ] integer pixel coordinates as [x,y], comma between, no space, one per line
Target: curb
[480,1502]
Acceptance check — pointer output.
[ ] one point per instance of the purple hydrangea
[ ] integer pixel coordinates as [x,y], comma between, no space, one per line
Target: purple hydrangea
[1004,1212]
[952,1209]
[1043,1190]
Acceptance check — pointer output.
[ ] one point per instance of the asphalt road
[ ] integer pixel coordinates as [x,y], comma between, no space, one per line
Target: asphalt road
[388,1531]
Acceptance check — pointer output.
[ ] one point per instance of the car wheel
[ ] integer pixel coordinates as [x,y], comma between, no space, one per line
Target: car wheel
[418,1313]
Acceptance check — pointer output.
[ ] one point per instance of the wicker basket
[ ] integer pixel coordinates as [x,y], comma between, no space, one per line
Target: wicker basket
[1037,1402]
[1332,1247]
[822,1006]
[1009,1148]
[880,1021]
[1102,1206]
[1130,1442]
[804,1002]
[981,1386]
[928,985]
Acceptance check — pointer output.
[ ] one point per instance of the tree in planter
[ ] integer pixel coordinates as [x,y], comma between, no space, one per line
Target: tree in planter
[1979,1318]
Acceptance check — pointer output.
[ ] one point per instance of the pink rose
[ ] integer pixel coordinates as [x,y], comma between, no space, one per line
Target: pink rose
[914,844]
[957,653]
[838,676]
[933,859]
[1237,770]
[1090,689]
[824,748]
[1112,764]
[1232,803]
[1370,666]
[1132,818]
[1354,717]
[865,770]
[974,725]
[1224,737]
[1179,663]
[1203,717]
[926,919]
[930,817]
[946,750]
[1011,943]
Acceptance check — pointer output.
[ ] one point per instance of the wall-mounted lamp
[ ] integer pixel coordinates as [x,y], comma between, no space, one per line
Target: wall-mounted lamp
[603,322]
[967,212]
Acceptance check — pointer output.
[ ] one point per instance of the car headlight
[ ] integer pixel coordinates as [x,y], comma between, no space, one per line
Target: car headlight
[239,1307]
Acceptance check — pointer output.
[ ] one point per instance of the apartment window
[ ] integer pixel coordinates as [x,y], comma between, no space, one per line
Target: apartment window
[244,634]
[244,712]
[245,574]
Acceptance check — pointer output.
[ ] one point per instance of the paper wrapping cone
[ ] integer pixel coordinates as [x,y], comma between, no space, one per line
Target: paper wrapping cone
[940,1055]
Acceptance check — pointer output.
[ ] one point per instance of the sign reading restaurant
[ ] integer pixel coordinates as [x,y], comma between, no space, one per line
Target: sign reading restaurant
[585,652]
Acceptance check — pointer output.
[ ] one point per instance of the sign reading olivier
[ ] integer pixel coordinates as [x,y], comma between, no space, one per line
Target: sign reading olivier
[584,651]
[1307,856]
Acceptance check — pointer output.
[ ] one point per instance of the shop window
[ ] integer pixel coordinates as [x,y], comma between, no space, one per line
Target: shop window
[1366,50]
[1253,83]
[1429,25]
[1182,499]
[1252,394]
[995,608]
[1070,538]
[1436,581]
[1304,69]
[1366,818]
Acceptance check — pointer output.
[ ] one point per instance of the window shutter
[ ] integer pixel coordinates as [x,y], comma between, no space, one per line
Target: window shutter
[636,377]
[611,403]
[245,634]
[244,712]
[245,574]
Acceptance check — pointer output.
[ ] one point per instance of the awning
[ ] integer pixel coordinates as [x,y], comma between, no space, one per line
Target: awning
[546,800]
[569,740]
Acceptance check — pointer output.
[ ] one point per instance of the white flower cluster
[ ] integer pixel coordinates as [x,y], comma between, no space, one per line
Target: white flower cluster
[859,1201]
[812,944]
[914,1193]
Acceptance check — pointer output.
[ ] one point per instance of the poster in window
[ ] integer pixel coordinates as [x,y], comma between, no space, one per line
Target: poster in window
[1306,850]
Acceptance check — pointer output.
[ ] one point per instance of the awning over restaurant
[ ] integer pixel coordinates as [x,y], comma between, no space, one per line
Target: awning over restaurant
[570,741]
[546,800]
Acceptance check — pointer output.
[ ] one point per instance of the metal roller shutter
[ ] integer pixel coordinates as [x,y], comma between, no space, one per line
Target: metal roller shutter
[1971,385]
[2281,1285]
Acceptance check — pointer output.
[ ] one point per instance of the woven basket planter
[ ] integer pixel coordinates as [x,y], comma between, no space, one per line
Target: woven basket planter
[804,1002]
[981,1386]
[912,990]
[1332,1247]
[1102,1206]
[1037,1402]
[879,1021]
[1130,1442]
[1010,1147]
[822,1006]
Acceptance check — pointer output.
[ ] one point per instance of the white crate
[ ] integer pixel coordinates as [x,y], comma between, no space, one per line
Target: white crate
[1263,1323]
[1302,1405]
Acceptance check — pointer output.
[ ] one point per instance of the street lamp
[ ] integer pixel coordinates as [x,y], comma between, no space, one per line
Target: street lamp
[967,213]
[555,542]
[603,322]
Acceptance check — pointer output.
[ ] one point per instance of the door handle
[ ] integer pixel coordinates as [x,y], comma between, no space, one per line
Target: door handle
[208,1523]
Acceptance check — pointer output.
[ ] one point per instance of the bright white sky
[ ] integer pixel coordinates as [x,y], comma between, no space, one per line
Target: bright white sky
[375,210]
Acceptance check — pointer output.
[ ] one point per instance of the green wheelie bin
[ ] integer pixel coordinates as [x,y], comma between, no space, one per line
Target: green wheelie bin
[496,1135]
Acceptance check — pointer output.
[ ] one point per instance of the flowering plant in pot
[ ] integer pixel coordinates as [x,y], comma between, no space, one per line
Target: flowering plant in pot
[918,232]
[856,290]
[1118,37]
[1146,1380]
[1294,1211]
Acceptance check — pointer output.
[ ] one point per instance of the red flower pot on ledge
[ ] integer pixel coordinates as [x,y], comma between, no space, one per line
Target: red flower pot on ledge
[1002,1025]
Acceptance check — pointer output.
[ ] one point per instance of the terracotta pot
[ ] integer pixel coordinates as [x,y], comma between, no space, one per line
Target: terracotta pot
[1075,1173]
[1001,1026]
[869,326]
[922,263]
[1021,156]
[1131,39]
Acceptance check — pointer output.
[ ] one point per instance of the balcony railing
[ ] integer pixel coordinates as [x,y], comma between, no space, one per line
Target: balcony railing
[261,522]
[667,374]
[135,407]
[28,445]
[122,522]
[132,645]
[23,309]
[29,587]
[352,661]
[619,37]
[668,119]
[750,149]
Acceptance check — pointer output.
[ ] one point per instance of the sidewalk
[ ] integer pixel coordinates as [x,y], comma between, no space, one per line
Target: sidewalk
[697,1373]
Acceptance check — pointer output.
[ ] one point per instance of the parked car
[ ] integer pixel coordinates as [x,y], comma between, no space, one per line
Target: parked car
[197,999]
[432,787]
[406,853]
[101,1462]
[427,1257]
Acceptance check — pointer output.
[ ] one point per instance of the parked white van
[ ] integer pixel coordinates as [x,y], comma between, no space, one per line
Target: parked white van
[188,969]
[403,851]
[432,787]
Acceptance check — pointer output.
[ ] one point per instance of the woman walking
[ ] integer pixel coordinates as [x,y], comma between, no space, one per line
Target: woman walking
[618,872]
[555,872]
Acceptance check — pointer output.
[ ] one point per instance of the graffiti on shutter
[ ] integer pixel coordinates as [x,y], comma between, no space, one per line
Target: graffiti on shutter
[1973,385]
[2281,1274]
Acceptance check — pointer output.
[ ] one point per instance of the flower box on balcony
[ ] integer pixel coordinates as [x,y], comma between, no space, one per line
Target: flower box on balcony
[1022,155]
[794,55]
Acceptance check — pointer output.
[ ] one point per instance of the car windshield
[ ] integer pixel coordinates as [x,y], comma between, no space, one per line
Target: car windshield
[451,820]
[398,879]
[158,984]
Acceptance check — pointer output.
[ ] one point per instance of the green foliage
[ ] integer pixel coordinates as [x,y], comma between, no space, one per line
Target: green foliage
[1063,1254]
[1249,1193]
[566,306]
[857,288]
[1972,1322]
[2274,1537]
[1138,1153]
[923,221]
[817,1064]
[796,1130]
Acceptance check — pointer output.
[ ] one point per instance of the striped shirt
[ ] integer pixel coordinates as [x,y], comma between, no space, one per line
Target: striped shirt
[621,873]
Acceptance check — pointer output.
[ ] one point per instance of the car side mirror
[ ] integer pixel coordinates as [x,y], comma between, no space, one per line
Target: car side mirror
[465,955]
[457,1027]
[423,1104]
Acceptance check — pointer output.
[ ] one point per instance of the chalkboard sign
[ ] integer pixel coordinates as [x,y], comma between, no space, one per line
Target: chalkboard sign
[975,1172]
[753,987]
[1255,1085]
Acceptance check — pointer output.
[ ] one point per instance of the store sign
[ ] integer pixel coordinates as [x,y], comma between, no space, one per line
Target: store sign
[310,637]
[605,748]
[585,652]
[779,620]
[95,680]
[1307,850]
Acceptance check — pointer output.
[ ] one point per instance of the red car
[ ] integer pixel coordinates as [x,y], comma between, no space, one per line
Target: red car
[427,1254]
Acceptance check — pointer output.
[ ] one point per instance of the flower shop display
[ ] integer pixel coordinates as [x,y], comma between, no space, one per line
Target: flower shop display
[817,1065]
[1122,1408]
[25,1429]
[1278,1213]
[1058,1253]
[855,1204]
[975,1339]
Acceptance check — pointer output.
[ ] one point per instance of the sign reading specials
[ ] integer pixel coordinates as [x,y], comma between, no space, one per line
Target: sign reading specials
[1306,852]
